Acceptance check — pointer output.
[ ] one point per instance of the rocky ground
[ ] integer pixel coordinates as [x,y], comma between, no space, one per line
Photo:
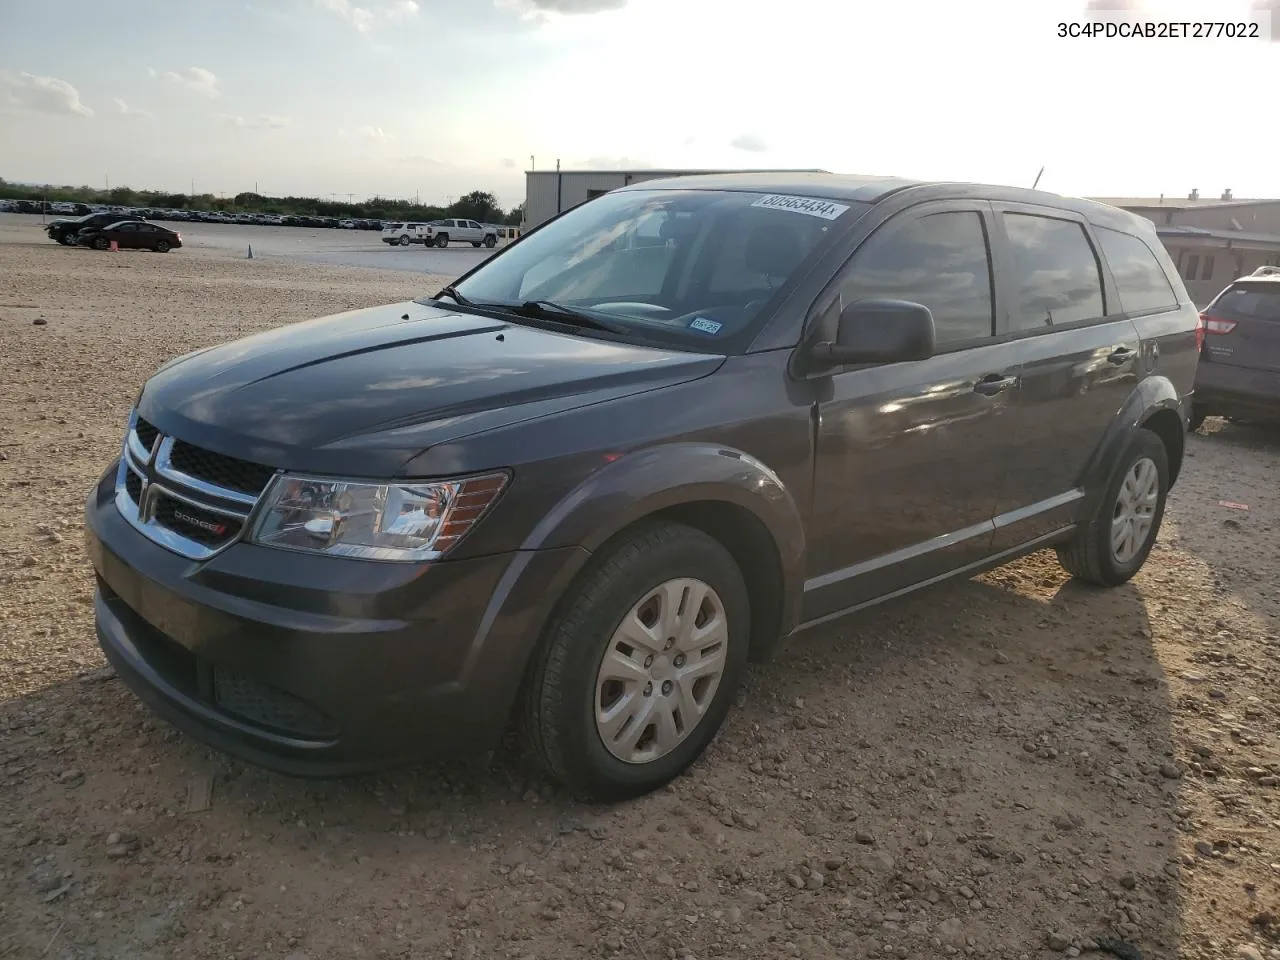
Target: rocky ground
[1013,767]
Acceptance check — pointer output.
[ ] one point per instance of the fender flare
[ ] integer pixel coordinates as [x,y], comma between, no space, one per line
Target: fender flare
[1149,397]
[639,484]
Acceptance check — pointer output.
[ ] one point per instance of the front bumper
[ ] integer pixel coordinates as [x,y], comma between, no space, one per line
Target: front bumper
[320,666]
[1226,390]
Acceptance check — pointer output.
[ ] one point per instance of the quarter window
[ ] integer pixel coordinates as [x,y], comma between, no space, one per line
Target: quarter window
[1140,280]
[1056,272]
[941,261]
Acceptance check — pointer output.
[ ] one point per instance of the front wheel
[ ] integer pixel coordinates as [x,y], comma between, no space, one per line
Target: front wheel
[637,671]
[1113,544]
[162,246]
[1197,419]
[404,240]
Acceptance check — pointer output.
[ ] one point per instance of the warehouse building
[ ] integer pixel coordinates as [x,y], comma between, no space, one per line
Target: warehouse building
[549,192]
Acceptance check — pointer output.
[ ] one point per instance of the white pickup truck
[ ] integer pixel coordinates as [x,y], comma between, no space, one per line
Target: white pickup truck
[441,233]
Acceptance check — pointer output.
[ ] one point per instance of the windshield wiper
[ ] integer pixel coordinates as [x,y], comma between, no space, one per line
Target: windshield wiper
[550,310]
[459,299]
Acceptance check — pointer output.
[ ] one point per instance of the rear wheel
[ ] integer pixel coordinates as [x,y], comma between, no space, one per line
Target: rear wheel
[636,673]
[1113,544]
[476,244]
[491,241]
[442,240]
[1198,415]
[101,243]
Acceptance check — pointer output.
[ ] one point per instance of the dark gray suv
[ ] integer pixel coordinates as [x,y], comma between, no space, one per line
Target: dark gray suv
[582,486]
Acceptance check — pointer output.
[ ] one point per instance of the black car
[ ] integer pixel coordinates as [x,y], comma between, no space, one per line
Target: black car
[584,484]
[67,231]
[130,235]
[1239,372]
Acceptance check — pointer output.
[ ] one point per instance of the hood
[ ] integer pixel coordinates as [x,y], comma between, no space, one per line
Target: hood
[363,392]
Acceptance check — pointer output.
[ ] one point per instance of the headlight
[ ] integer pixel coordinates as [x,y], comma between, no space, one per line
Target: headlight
[375,521]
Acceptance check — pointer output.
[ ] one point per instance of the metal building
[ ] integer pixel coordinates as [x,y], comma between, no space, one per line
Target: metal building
[548,192]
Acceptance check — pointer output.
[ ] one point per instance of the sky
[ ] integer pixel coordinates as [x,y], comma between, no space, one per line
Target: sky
[431,99]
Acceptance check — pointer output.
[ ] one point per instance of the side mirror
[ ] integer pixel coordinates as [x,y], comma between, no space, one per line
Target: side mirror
[880,331]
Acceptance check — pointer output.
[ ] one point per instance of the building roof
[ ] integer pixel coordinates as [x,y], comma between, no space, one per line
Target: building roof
[1177,232]
[648,172]
[1179,203]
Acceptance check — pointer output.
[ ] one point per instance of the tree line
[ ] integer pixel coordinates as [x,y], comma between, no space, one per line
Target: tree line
[478,205]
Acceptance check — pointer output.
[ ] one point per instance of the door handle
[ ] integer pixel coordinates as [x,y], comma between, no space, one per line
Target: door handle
[1121,355]
[993,384]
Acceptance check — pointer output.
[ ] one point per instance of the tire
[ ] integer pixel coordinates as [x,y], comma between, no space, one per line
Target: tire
[1090,557]
[565,688]
[1198,415]
[442,240]
[404,240]
[64,239]
[101,243]
[491,241]
[476,244]
[162,246]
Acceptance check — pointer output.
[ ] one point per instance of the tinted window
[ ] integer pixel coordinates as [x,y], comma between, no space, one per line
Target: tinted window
[1141,281]
[941,261]
[1258,301]
[1057,274]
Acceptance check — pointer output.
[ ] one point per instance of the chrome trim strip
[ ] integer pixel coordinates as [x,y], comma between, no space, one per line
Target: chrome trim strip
[166,469]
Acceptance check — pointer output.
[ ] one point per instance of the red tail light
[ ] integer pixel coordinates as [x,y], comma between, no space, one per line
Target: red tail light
[1217,324]
[1200,322]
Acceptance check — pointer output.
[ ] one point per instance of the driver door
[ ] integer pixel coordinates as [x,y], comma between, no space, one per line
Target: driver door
[910,458]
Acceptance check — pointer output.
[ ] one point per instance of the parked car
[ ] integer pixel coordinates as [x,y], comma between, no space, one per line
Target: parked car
[67,232]
[1239,372]
[582,485]
[403,234]
[131,235]
[440,233]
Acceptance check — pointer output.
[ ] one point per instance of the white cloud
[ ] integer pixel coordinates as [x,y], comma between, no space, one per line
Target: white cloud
[536,9]
[749,142]
[508,163]
[26,91]
[263,121]
[364,17]
[125,110]
[196,79]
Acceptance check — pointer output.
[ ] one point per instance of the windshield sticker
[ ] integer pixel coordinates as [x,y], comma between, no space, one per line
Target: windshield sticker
[806,205]
[704,325]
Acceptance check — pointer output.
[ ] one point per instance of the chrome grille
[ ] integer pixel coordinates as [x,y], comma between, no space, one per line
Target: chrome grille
[189,500]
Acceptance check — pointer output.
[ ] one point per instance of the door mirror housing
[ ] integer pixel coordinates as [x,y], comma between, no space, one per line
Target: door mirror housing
[880,331]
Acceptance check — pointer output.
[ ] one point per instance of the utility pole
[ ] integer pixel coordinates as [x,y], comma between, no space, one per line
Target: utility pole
[193,186]
[532,166]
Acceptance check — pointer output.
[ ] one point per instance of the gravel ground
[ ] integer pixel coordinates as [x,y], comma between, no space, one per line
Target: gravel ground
[1009,767]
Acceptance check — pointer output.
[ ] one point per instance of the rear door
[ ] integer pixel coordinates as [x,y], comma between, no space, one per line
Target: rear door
[1079,359]
[1242,326]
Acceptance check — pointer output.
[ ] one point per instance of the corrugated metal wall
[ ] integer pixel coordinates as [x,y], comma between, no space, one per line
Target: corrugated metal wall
[541,186]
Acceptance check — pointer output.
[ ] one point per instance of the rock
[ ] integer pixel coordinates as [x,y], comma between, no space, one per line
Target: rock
[1128,881]
[39,322]
[118,851]
[865,838]
[815,880]
[1204,848]
[1001,657]
[1248,952]
[1056,941]
[1170,771]
[71,778]
[966,892]
[462,900]
[951,932]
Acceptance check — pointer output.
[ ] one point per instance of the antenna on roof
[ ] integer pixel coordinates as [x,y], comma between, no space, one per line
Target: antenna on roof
[1038,176]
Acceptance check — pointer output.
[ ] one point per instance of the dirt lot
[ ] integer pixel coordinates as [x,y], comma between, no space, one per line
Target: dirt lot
[1004,768]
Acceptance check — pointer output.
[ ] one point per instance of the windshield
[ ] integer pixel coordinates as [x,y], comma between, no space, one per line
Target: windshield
[694,263]
[1258,301]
